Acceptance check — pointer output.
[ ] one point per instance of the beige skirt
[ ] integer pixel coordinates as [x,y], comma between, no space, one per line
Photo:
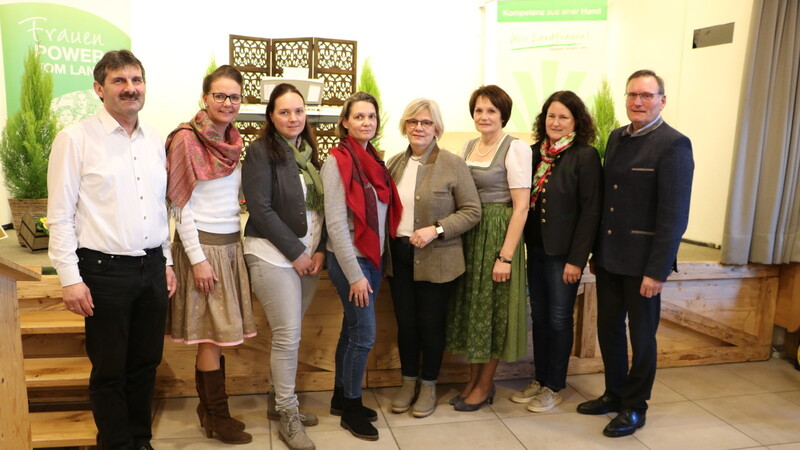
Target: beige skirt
[223,317]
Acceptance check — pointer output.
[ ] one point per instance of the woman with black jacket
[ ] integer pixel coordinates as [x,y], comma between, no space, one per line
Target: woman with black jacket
[566,197]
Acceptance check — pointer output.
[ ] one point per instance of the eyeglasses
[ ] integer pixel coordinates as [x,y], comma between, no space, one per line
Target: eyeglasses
[646,97]
[426,124]
[219,97]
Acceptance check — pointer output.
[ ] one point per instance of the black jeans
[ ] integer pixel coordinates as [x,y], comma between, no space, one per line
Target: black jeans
[420,308]
[617,297]
[124,341]
[552,306]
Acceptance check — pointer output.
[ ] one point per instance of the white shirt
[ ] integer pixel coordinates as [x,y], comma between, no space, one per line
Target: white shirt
[266,250]
[106,192]
[213,208]
[407,188]
[519,164]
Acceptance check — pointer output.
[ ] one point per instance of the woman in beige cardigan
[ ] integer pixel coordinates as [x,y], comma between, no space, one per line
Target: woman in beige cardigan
[440,202]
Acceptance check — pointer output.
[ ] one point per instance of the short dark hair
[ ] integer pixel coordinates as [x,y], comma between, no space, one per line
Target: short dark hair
[224,71]
[647,73]
[584,125]
[113,60]
[268,132]
[495,94]
[360,96]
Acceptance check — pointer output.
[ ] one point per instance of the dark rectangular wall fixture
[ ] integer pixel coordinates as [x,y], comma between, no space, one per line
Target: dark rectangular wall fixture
[716,35]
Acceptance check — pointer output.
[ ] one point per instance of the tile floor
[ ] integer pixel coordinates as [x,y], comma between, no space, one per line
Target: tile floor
[728,406]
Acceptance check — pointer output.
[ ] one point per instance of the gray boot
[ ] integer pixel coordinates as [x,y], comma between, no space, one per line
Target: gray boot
[292,432]
[309,419]
[408,390]
[426,401]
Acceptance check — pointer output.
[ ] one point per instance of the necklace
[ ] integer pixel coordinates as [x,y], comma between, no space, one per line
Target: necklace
[416,158]
[489,149]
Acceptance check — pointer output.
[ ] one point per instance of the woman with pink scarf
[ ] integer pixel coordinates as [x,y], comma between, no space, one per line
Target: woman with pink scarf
[212,305]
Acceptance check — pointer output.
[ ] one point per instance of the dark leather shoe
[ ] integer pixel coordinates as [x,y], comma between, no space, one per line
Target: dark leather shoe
[601,405]
[625,424]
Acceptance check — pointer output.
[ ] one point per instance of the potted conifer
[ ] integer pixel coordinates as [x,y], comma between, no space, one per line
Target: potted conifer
[604,118]
[26,142]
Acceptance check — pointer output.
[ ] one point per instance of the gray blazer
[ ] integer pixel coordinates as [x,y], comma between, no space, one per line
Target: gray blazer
[445,192]
[275,201]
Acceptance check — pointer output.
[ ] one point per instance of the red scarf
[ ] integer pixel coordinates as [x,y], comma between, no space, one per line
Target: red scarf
[359,167]
[195,151]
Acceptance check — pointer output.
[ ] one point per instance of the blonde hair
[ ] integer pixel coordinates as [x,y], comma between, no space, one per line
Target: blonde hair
[418,105]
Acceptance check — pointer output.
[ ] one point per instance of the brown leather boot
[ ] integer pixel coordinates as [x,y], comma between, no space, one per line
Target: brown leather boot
[198,382]
[217,418]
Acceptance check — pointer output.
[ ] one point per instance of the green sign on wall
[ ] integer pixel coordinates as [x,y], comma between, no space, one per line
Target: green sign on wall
[71,42]
[551,11]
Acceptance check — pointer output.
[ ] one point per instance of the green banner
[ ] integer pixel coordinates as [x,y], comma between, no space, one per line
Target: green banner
[71,42]
[551,10]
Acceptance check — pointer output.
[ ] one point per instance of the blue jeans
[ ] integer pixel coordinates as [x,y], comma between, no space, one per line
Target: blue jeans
[552,306]
[358,327]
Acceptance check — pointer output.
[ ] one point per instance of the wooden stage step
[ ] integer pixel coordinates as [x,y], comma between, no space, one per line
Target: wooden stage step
[50,322]
[62,429]
[57,372]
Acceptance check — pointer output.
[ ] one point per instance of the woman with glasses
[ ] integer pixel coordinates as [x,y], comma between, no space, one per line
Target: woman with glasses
[440,203]
[487,317]
[565,202]
[284,242]
[211,307]
[361,207]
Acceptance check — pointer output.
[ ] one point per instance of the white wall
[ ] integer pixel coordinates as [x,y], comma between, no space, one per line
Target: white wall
[428,50]
[435,49]
[703,86]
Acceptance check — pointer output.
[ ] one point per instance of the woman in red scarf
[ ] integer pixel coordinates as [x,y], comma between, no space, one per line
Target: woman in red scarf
[211,307]
[566,198]
[361,206]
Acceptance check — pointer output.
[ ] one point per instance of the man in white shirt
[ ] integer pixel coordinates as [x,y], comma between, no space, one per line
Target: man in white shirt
[109,242]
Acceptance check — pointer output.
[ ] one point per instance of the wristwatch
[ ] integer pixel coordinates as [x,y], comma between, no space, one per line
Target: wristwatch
[439,230]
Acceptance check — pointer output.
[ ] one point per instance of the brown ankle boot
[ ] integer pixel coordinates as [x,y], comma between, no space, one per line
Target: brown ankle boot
[201,408]
[217,417]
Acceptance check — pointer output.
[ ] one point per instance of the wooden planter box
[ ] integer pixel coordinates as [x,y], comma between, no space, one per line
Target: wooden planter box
[29,237]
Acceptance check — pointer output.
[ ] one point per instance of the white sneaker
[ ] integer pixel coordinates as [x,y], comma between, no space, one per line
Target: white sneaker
[525,395]
[545,400]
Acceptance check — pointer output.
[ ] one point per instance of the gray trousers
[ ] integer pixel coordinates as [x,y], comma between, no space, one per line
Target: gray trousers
[285,297]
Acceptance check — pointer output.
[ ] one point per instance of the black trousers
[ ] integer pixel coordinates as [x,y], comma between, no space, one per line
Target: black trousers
[420,308]
[617,297]
[124,341]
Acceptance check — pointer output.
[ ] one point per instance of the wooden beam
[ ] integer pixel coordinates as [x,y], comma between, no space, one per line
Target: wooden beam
[706,325]
[586,323]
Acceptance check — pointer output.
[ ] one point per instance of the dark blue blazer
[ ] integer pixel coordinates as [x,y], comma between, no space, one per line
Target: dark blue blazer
[648,184]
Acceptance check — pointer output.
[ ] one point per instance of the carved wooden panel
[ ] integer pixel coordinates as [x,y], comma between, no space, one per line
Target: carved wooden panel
[249,131]
[335,62]
[332,60]
[291,53]
[250,52]
[326,138]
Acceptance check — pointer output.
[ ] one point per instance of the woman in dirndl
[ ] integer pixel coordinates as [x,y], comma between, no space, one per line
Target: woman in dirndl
[211,307]
[487,316]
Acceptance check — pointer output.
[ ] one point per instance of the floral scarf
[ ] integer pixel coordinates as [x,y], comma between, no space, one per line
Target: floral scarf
[196,151]
[549,154]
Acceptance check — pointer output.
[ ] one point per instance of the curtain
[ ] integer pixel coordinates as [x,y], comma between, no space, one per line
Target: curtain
[763,214]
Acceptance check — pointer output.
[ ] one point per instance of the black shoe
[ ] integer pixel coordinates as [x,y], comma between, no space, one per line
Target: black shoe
[625,424]
[355,422]
[600,405]
[337,408]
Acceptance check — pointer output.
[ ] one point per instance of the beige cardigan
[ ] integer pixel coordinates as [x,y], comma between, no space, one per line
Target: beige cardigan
[445,192]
